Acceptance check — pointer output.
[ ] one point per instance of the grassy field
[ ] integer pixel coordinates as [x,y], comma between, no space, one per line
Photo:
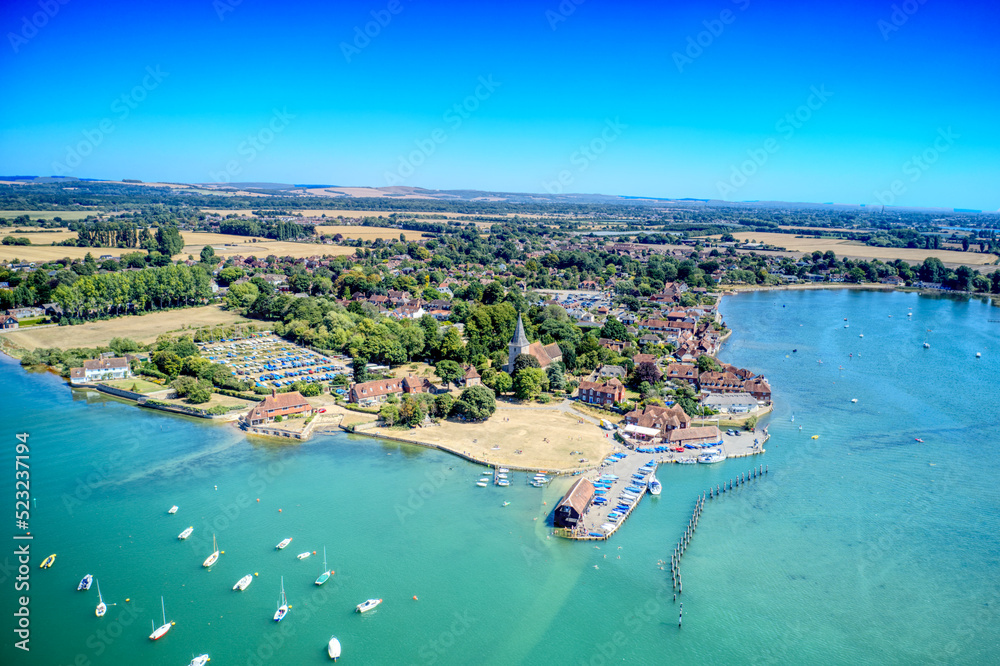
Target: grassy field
[49,214]
[141,328]
[546,438]
[845,248]
[369,233]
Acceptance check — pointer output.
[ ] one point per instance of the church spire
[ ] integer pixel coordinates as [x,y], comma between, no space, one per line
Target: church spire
[520,339]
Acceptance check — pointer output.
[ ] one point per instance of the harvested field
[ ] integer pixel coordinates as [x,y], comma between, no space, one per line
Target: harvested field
[41,237]
[853,249]
[45,253]
[49,214]
[525,430]
[141,328]
[369,233]
[227,245]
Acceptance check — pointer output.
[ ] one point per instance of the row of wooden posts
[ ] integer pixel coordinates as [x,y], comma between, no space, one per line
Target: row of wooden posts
[699,506]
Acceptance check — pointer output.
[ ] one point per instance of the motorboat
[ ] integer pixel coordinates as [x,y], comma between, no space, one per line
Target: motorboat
[200,660]
[243,583]
[503,483]
[325,576]
[283,543]
[85,582]
[333,648]
[214,557]
[172,509]
[655,487]
[687,461]
[503,470]
[186,533]
[304,555]
[47,562]
[367,605]
[283,606]
[506,504]
[158,632]
[482,483]
[102,607]
[712,457]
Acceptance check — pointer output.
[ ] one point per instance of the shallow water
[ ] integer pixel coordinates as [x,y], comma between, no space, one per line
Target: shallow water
[861,546]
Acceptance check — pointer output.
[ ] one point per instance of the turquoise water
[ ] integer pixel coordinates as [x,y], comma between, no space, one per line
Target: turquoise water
[861,546]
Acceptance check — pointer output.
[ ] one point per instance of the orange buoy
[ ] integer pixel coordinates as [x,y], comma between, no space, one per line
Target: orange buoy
[414,597]
[279,510]
[314,552]
[258,499]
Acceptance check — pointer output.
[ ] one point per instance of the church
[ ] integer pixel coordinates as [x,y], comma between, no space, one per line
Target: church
[546,354]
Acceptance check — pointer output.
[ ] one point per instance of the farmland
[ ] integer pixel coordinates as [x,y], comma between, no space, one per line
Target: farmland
[141,328]
[226,245]
[49,214]
[844,248]
[46,253]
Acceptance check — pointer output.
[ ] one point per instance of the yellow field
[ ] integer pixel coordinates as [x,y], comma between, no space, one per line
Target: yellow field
[369,233]
[844,248]
[41,237]
[141,328]
[49,214]
[44,253]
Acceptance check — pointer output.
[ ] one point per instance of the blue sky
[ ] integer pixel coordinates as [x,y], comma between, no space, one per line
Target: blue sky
[849,102]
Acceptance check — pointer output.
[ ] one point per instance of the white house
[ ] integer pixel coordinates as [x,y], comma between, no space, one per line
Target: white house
[731,403]
[99,370]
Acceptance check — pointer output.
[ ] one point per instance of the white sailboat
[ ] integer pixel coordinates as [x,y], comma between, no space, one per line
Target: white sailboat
[283,606]
[214,557]
[158,632]
[333,648]
[102,607]
[325,576]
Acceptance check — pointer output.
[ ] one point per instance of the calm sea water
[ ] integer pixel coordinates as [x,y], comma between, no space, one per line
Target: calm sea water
[860,546]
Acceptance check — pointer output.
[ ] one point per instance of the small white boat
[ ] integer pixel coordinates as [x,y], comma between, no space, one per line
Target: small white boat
[85,582]
[712,457]
[482,483]
[304,555]
[503,483]
[687,461]
[655,487]
[979,355]
[503,470]
[283,606]
[927,345]
[243,583]
[158,632]
[173,509]
[214,557]
[186,533]
[200,660]
[283,543]
[333,648]
[102,607]
[368,605]
[501,476]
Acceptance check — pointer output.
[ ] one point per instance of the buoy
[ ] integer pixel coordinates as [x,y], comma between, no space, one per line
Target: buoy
[255,573]
[127,600]
[258,499]
[414,597]
[279,511]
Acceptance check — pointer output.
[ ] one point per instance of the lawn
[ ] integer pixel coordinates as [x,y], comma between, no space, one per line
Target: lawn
[136,384]
[141,328]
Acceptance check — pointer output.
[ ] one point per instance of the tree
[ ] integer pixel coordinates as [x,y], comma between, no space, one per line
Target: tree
[389,414]
[167,362]
[556,374]
[122,346]
[410,412]
[477,403]
[522,361]
[501,382]
[443,404]
[208,255]
[448,371]
[241,296]
[201,393]
[529,383]
[311,390]
[183,385]
[708,364]
[750,423]
[169,241]
[614,330]
[647,372]
[360,367]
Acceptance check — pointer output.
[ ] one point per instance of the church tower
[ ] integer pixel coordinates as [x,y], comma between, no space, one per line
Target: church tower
[518,345]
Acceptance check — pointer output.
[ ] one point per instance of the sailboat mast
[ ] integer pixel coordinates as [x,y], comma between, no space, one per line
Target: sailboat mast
[164,609]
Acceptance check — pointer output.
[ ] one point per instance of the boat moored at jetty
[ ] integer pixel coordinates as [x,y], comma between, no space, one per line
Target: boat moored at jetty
[367,605]
[712,457]
[655,487]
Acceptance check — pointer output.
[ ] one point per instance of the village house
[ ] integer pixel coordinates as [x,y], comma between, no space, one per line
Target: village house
[681,371]
[730,403]
[700,436]
[100,369]
[759,389]
[608,371]
[605,393]
[471,377]
[8,322]
[374,392]
[720,382]
[277,404]
[664,419]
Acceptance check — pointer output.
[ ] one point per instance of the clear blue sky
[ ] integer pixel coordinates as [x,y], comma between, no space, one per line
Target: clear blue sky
[383,113]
